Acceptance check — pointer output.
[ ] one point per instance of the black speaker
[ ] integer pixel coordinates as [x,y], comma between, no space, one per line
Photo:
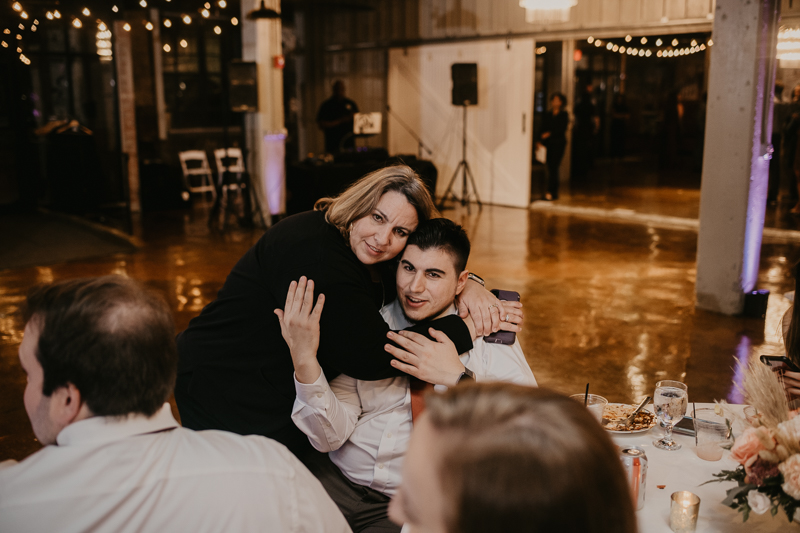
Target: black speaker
[243,91]
[465,83]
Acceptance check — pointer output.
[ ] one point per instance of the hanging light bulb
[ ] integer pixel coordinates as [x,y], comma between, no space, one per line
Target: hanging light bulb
[57,14]
[207,5]
[4,44]
[659,42]
[143,3]
[674,42]
[711,42]
[16,6]
[86,12]
[126,27]
[658,53]
[167,23]
[167,48]
[648,53]
[205,13]
[609,46]
[235,22]
[184,44]
[628,38]
[114,9]
[694,42]
[217,30]
[49,15]
[616,47]
[590,40]
[643,40]
[24,15]
[77,23]
[223,4]
[622,50]
[149,26]
[187,19]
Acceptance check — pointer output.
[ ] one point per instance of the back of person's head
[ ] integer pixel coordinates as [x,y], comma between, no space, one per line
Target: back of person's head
[526,459]
[360,198]
[442,233]
[110,338]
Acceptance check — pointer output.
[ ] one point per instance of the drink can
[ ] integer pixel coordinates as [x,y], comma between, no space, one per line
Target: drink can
[634,460]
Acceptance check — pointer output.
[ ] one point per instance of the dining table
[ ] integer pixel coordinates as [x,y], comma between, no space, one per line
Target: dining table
[683,470]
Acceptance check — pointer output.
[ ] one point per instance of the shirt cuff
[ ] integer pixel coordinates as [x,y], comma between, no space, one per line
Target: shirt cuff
[312,394]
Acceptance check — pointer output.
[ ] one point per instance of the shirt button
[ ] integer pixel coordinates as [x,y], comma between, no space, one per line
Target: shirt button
[319,395]
[380,465]
[327,425]
[389,435]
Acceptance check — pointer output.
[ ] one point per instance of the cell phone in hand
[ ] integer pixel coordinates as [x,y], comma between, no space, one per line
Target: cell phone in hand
[779,363]
[503,337]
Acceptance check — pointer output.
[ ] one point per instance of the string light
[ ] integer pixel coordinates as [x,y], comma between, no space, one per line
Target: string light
[114,9]
[126,27]
[49,15]
[77,23]
[33,28]
[628,38]
[167,23]
[694,42]
[21,26]
[622,50]
[609,46]
[711,42]
[102,26]
[187,19]
[167,48]
[205,13]
[659,42]
[590,40]
[36,21]
[57,14]
[19,37]
[7,31]
[644,40]
[217,30]
[598,43]
[149,26]
[24,15]
[16,6]
[143,3]
[615,48]
[19,49]
[86,12]
[207,5]
[183,43]
[235,22]
[223,4]
[5,44]
[674,42]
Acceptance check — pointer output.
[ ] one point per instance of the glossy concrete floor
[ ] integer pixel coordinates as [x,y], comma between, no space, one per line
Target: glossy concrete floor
[606,303]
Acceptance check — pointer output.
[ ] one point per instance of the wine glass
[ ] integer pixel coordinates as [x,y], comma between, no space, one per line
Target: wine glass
[670,401]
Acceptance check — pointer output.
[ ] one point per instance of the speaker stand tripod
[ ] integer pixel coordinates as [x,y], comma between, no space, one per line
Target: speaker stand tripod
[466,172]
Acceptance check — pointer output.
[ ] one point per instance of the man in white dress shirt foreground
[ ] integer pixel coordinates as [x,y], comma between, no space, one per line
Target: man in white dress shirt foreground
[366,425]
[101,361]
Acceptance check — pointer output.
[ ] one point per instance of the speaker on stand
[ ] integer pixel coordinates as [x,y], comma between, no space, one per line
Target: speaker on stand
[465,94]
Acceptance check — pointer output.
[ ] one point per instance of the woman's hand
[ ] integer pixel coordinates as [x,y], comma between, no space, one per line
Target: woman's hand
[434,361]
[488,313]
[791,384]
[299,321]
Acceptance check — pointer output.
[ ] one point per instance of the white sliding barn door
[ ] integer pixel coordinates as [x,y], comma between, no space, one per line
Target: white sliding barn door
[499,136]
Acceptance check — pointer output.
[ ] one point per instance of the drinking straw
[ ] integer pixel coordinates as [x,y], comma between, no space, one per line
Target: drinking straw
[694,416]
[586,396]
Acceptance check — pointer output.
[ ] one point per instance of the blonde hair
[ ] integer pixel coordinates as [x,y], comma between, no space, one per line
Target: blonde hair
[525,459]
[360,198]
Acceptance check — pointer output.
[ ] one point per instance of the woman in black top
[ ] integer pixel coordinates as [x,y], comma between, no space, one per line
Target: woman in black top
[554,138]
[235,371]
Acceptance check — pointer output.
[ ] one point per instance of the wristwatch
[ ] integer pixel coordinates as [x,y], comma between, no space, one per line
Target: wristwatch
[466,376]
[475,277]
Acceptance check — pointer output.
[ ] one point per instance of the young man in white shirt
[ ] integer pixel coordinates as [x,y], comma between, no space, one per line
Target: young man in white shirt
[101,360]
[366,425]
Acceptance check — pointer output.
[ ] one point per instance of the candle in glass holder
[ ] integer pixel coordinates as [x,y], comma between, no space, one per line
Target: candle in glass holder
[683,511]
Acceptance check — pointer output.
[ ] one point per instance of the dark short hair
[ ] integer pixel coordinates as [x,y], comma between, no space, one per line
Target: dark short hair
[517,459]
[561,97]
[110,338]
[446,234]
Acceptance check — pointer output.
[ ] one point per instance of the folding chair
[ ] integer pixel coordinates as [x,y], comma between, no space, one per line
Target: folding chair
[231,176]
[194,163]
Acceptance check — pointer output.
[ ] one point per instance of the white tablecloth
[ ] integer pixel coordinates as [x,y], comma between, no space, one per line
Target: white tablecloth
[683,470]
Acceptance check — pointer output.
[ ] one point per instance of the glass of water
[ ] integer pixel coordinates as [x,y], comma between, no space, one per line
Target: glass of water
[670,401]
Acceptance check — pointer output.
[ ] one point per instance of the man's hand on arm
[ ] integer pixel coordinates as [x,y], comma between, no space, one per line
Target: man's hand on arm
[435,361]
[300,328]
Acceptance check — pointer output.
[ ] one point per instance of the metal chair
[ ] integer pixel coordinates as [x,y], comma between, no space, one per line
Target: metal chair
[194,163]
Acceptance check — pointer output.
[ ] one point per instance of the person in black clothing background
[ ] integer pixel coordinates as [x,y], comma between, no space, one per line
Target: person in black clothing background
[335,118]
[235,371]
[554,138]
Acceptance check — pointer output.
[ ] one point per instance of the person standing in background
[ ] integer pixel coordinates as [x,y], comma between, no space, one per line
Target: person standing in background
[335,118]
[554,138]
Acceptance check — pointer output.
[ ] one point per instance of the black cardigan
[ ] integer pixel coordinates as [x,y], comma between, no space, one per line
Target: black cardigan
[241,369]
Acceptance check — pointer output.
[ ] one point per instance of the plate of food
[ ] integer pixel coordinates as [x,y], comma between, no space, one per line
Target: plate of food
[615,413]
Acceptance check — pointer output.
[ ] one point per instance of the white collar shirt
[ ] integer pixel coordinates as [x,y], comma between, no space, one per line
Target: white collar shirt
[366,425]
[134,473]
